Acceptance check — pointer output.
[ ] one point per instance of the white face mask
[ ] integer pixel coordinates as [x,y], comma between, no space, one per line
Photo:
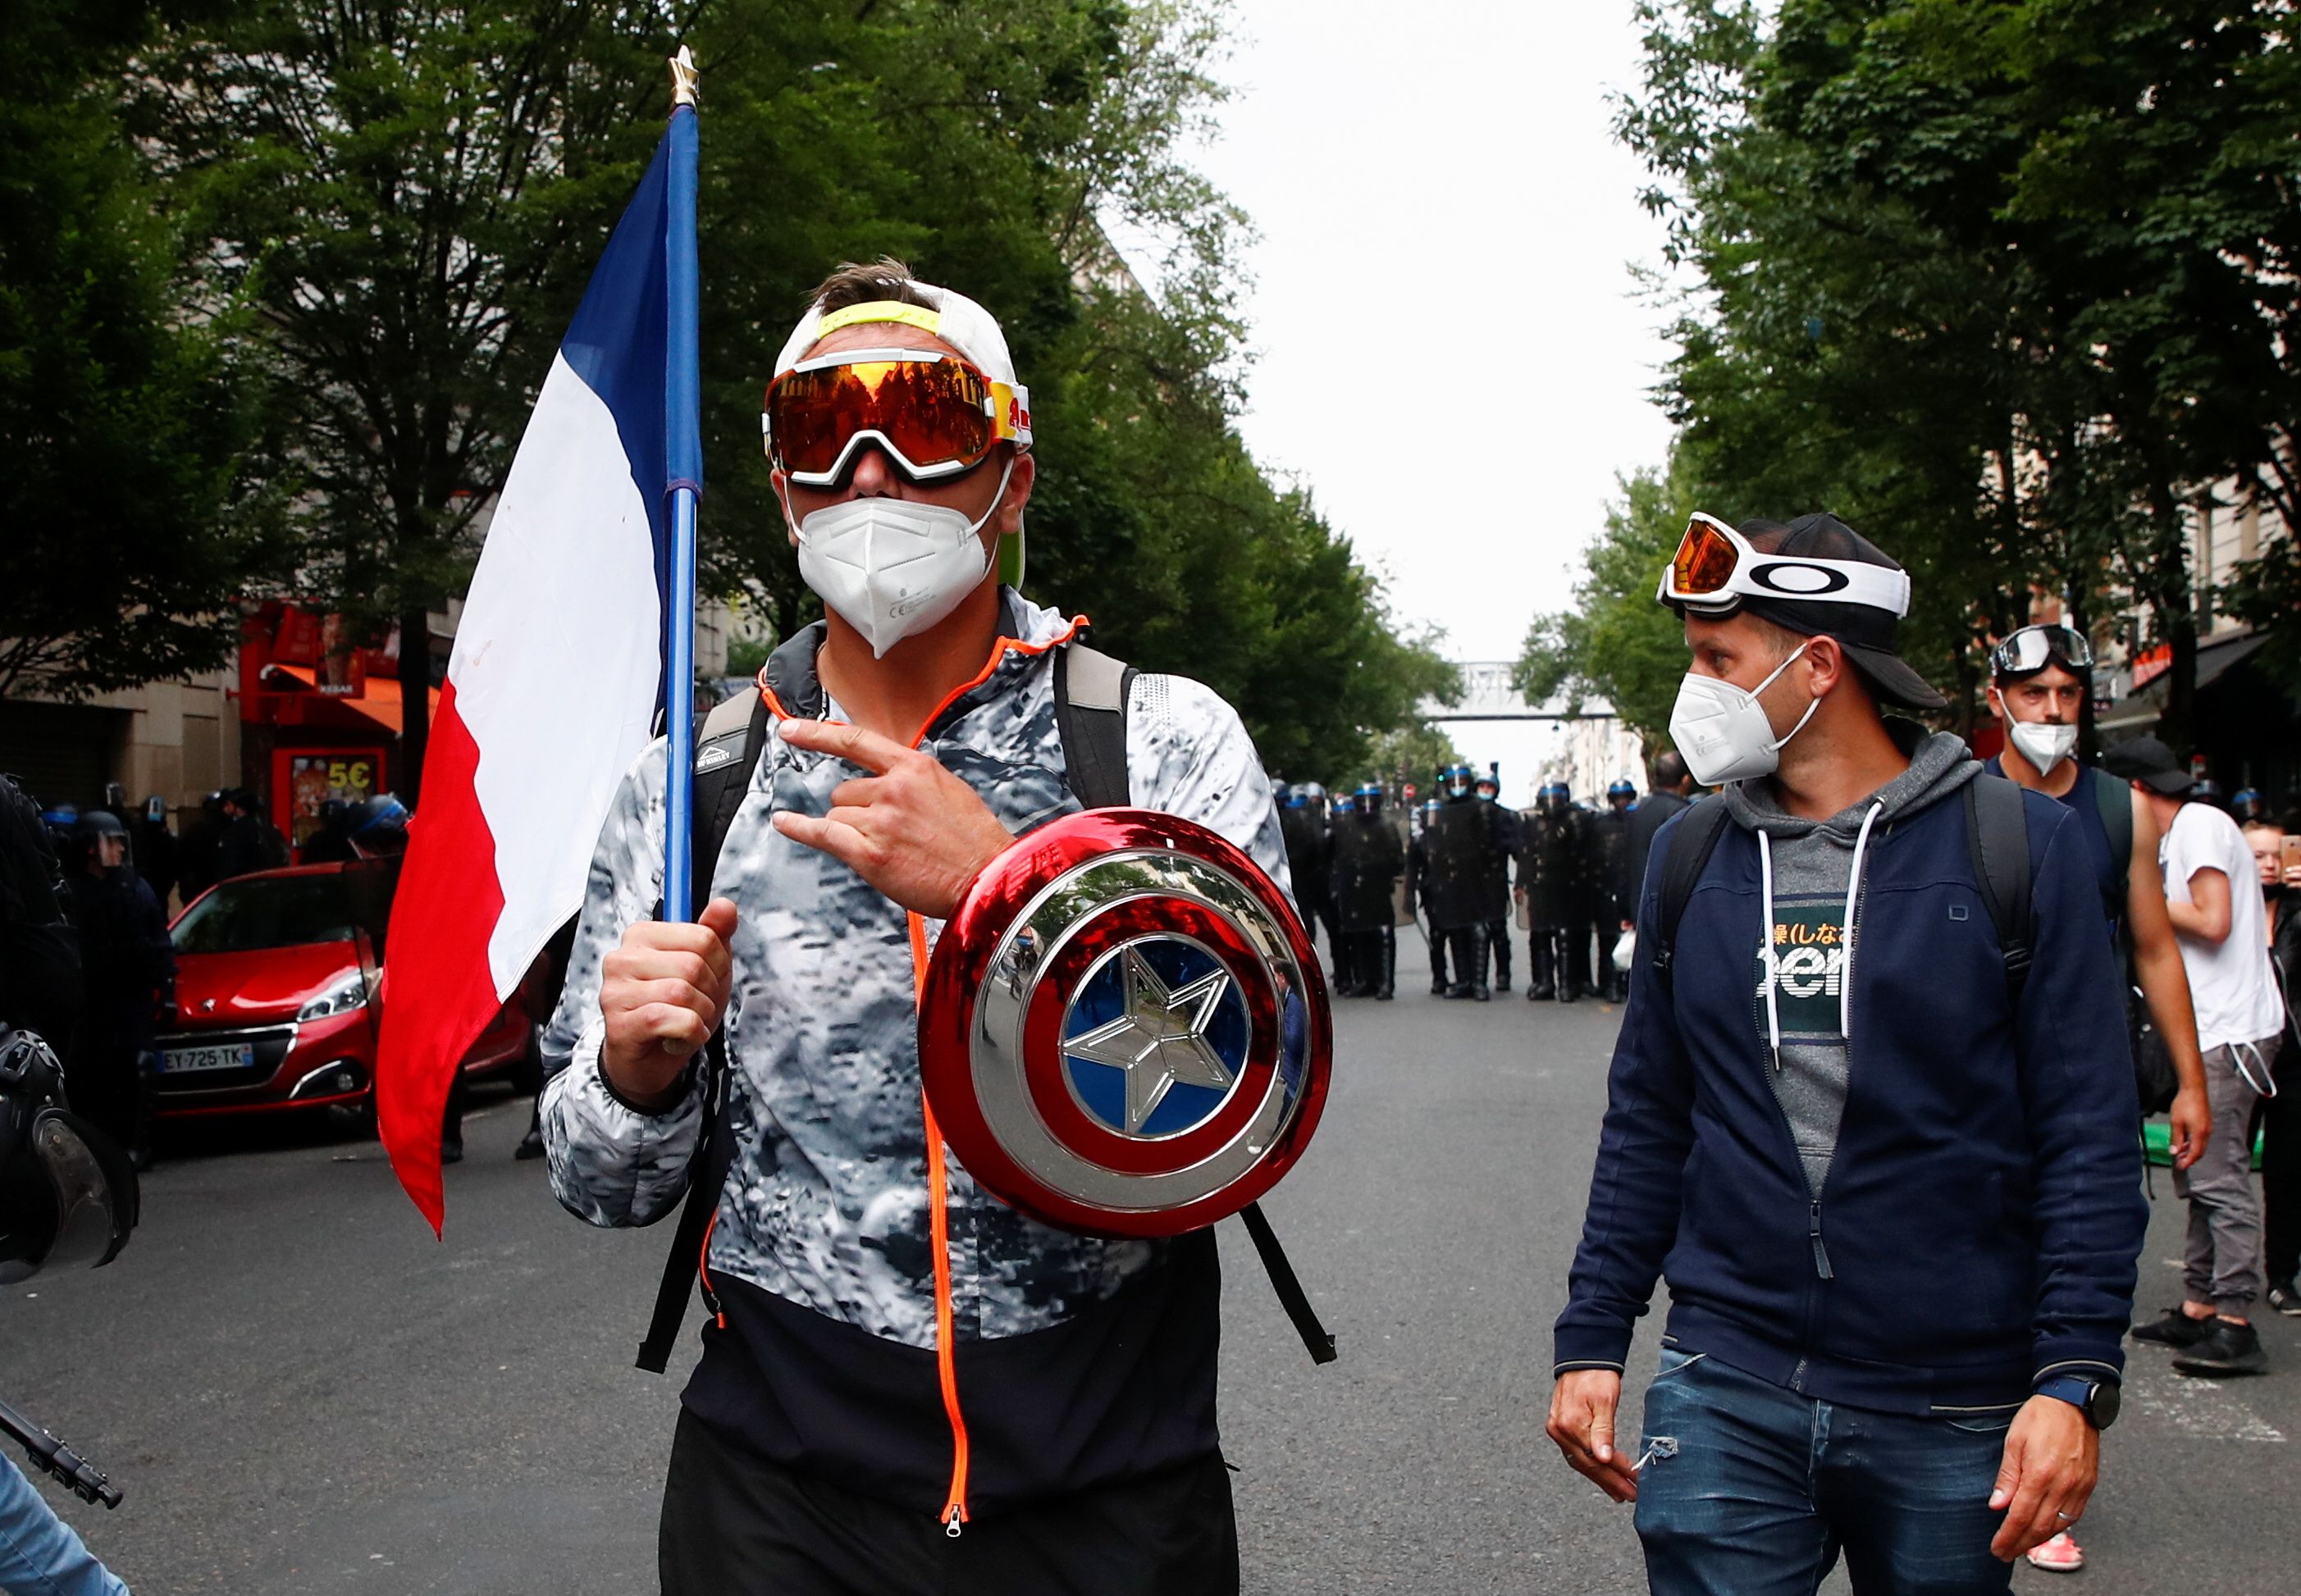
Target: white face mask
[2041,745]
[892,567]
[1722,729]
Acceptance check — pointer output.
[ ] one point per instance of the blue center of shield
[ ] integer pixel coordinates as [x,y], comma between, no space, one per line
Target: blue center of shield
[1155,1038]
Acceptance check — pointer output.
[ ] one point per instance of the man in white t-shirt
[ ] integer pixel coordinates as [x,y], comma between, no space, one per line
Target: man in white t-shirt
[2218,919]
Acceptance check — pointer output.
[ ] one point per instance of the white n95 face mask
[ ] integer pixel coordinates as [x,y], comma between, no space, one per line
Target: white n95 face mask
[1722,729]
[2041,745]
[892,567]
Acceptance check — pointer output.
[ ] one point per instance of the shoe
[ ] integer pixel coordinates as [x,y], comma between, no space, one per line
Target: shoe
[1479,994]
[1385,995]
[2059,1555]
[1438,988]
[1502,985]
[451,1152]
[2284,1298]
[531,1146]
[1459,992]
[1540,994]
[2174,1328]
[2230,1350]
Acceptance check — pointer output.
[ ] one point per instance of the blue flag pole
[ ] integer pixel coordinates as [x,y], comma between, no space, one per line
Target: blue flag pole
[683,411]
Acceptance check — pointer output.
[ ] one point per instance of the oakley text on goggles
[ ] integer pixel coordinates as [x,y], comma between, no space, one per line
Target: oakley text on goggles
[1716,568]
[2032,649]
[933,414]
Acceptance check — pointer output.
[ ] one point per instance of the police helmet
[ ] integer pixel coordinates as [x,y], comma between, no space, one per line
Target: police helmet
[1622,788]
[2247,804]
[1291,796]
[1459,780]
[1313,793]
[378,815]
[1554,798]
[67,1192]
[2208,792]
[1367,799]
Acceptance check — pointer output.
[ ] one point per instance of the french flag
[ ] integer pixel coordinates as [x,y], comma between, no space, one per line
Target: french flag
[559,665]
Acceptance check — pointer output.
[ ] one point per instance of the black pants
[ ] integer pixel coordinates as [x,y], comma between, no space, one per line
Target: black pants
[2281,1174]
[734,1525]
[1468,943]
[1369,960]
[1498,942]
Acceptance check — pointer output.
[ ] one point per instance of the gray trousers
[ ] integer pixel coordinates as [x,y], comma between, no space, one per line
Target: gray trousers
[2221,1264]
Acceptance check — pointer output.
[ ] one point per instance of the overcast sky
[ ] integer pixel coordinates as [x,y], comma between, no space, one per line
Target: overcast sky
[1438,198]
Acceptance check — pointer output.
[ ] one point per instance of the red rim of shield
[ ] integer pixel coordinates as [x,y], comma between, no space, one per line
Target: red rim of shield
[962,956]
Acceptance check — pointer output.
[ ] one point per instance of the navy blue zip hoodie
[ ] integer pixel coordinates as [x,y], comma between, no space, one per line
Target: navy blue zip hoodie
[1983,1210]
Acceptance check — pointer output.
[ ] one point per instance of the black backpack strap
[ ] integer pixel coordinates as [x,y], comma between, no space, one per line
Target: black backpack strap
[727,751]
[2114,801]
[1090,689]
[1690,848]
[1997,830]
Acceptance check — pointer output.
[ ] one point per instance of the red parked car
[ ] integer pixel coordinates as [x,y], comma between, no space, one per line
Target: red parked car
[277,1007]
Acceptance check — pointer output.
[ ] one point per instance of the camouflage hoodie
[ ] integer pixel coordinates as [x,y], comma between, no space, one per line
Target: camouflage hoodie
[827,1204]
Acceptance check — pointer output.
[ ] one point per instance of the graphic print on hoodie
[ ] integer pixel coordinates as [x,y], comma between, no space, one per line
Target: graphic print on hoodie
[1811,864]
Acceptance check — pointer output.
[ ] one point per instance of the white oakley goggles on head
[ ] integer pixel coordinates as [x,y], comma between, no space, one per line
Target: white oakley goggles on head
[1715,569]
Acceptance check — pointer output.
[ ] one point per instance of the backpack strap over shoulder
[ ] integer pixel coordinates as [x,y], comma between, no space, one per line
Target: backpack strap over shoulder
[727,750]
[2114,800]
[1091,691]
[1997,830]
[1692,843]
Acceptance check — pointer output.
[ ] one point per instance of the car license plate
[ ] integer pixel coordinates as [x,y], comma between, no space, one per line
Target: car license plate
[184,1061]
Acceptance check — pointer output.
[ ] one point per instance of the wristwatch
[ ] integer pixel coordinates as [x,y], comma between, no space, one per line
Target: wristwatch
[2097,1400]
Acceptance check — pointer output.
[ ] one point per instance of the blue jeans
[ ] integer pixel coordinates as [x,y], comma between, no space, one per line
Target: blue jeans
[39,1554]
[1752,1490]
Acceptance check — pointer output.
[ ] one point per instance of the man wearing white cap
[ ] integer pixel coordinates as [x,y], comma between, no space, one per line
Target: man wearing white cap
[1058,1433]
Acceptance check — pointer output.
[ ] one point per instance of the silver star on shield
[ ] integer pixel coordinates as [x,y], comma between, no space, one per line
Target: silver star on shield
[1160,1038]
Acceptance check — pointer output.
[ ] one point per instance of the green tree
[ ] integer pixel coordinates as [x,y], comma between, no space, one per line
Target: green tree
[131,529]
[411,193]
[2008,285]
[1617,644]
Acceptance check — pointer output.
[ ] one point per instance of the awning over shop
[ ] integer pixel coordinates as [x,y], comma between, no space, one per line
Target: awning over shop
[2137,711]
[293,696]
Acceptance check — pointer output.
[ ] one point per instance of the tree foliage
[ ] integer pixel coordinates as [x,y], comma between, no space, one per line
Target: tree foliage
[412,193]
[1616,643]
[131,524]
[2009,284]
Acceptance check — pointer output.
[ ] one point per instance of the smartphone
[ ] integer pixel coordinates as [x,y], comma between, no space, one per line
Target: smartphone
[2292,848]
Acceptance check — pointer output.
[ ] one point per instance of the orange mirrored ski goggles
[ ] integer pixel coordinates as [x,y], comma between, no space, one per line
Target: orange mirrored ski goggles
[933,414]
[1715,569]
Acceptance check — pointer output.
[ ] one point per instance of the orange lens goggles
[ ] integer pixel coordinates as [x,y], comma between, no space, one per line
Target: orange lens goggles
[933,414]
[1704,566]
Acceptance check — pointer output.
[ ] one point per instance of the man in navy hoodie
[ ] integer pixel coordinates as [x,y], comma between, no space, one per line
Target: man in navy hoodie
[1895,1194]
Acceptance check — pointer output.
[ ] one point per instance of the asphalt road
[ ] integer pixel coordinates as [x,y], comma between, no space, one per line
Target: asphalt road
[300,1390]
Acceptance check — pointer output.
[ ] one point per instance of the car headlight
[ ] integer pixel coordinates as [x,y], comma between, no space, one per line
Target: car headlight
[347,992]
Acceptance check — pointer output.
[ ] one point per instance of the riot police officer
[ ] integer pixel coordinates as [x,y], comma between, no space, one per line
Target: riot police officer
[1552,872]
[1498,885]
[1461,850]
[331,844]
[1302,826]
[127,978]
[1368,860]
[1610,831]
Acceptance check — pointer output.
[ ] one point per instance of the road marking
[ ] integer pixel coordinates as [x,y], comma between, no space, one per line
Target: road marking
[2202,1408]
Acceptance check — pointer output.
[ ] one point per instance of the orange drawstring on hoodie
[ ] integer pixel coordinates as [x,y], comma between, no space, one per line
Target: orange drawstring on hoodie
[954,1508]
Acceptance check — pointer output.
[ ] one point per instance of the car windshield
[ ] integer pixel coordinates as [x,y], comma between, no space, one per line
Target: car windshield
[270,911]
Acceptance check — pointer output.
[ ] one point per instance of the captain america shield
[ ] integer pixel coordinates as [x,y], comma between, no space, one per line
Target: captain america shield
[1124,1029]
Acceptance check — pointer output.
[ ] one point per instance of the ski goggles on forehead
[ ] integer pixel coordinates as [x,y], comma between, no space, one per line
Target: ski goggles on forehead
[2034,647]
[933,414]
[1715,569]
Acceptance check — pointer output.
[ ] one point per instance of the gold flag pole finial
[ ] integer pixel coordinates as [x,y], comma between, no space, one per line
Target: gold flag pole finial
[683,77]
